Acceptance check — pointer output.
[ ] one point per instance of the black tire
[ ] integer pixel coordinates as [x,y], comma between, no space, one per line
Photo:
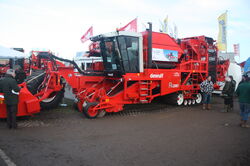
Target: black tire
[171,98]
[199,99]
[86,110]
[54,101]
[33,84]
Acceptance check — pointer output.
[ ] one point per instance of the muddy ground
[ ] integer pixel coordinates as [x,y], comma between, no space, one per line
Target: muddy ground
[142,135]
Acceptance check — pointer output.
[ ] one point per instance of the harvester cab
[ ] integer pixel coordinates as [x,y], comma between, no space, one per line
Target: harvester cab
[121,52]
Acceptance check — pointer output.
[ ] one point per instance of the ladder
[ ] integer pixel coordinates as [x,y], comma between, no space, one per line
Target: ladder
[195,82]
[145,92]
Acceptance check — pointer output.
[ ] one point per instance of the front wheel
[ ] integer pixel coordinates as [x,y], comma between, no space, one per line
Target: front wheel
[180,99]
[198,98]
[89,111]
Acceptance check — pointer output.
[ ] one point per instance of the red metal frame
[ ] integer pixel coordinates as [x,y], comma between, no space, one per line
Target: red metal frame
[190,71]
[110,93]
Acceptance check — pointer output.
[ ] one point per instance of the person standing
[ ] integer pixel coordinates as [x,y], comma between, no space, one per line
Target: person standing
[10,90]
[207,88]
[228,93]
[243,91]
[20,75]
[244,77]
[232,92]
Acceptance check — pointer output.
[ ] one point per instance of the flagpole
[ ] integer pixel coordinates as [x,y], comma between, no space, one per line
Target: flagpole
[226,30]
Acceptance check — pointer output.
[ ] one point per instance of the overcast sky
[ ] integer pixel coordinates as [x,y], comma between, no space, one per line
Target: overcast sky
[58,25]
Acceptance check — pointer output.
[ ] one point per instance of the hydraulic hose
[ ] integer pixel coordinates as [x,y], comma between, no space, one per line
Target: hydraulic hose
[69,61]
[53,57]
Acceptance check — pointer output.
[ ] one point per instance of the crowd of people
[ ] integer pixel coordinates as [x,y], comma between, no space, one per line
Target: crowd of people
[228,93]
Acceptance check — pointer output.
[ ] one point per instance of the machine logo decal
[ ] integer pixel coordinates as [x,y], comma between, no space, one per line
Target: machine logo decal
[171,85]
[156,75]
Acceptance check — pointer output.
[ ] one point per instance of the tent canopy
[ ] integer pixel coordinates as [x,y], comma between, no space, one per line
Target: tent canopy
[6,53]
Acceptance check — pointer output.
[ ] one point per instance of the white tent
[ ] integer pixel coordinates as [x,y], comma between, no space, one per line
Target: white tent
[6,53]
[235,70]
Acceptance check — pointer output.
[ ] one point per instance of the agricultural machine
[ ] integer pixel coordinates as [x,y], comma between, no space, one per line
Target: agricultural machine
[12,61]
[135,68]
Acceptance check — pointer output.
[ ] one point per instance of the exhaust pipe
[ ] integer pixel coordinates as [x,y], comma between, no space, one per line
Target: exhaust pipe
[149,45]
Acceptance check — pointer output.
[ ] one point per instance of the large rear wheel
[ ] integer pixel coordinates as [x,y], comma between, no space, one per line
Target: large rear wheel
[53,100]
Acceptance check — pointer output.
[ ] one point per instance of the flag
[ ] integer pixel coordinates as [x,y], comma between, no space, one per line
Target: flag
[165,25]
[222,36]
[236,49]
[87,35]
[131,26]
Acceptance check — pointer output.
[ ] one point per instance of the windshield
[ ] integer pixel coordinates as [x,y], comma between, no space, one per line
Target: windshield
[121,54]
[111,53]
[129,48]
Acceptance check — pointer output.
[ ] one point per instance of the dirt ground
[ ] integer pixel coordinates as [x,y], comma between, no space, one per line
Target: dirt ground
[143,135]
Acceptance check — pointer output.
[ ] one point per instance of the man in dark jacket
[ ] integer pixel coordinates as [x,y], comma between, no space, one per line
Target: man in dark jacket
[10,90]
[244,78]
[20,75]
[243,92]
[228,93]
[232,92]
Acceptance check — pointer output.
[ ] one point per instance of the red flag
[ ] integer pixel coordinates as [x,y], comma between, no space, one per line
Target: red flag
[131,26]
[87,35]
[236,49]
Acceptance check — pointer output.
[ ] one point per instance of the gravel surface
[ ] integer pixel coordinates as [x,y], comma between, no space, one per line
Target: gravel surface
[149,135]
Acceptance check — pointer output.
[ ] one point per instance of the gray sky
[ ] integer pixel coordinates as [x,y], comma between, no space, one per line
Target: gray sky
[58,25]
